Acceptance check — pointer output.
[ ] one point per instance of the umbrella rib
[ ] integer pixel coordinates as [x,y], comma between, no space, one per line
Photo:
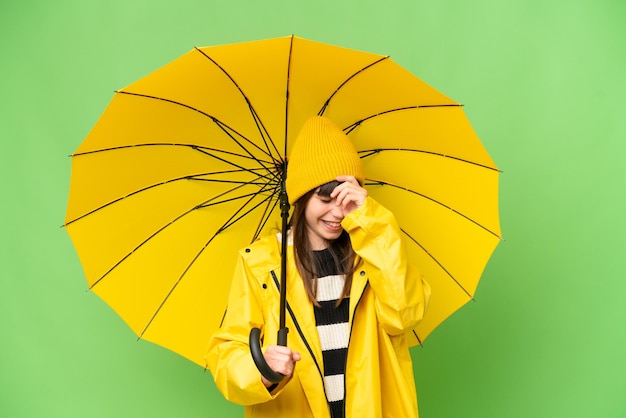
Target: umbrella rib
[236,217]
[373,182]
[265,217]
[230,199]
[419,340]
[242,168]
[370,65]
[188,177]
[175,285]
[353,126]
[287,85]
[257,119]
[440,265]
[223,126]
[177,218]
[202,150]
[226,225]
[199,148]
[369,152]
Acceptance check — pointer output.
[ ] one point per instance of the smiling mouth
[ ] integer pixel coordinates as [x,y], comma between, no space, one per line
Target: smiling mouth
[333,225]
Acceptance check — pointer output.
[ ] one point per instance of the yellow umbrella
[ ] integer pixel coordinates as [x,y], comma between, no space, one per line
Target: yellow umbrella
[185,165]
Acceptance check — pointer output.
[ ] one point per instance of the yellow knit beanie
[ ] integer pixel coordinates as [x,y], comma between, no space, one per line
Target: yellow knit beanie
[320,153]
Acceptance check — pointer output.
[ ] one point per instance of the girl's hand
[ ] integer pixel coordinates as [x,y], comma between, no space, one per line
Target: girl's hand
[349,194]
[280,359]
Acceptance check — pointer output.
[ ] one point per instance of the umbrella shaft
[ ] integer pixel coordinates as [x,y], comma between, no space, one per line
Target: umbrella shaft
[284,213]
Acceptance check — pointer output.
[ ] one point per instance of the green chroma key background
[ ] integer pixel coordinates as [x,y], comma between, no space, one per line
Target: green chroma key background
[543,85]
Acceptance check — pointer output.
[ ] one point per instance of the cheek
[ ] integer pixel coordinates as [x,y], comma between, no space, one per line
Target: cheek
[317,208]
[309,215]
[313,212]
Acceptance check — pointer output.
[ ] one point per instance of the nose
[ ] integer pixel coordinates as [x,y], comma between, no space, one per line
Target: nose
[337,212]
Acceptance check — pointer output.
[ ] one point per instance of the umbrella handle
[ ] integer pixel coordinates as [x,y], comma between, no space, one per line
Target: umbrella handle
[257,354]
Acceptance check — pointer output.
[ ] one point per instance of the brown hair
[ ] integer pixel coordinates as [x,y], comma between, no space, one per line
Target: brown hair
[340,249]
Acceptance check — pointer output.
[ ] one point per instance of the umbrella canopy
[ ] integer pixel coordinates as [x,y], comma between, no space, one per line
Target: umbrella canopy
[185,167]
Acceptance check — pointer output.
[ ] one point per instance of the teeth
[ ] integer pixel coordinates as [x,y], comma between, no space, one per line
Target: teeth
[333,224]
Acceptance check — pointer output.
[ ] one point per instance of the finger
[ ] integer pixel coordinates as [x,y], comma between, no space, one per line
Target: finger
[279,349]
[349,194]
[345,198]
[346,178]
[337,190]
[280,365]
[341,191]
[279,358]
[345,181]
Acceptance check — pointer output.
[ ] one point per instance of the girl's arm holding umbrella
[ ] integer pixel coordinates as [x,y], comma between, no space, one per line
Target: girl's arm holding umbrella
[228,354]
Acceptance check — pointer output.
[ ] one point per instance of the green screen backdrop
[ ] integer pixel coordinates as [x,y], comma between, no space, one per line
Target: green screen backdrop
[542,83]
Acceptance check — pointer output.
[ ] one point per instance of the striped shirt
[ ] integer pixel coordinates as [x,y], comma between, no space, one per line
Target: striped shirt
[333,329]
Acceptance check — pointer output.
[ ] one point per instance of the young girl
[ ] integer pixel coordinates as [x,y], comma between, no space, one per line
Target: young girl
[351,297]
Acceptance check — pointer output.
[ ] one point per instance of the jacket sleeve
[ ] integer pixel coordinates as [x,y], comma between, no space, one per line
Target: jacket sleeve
[400,292]
[228,353]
